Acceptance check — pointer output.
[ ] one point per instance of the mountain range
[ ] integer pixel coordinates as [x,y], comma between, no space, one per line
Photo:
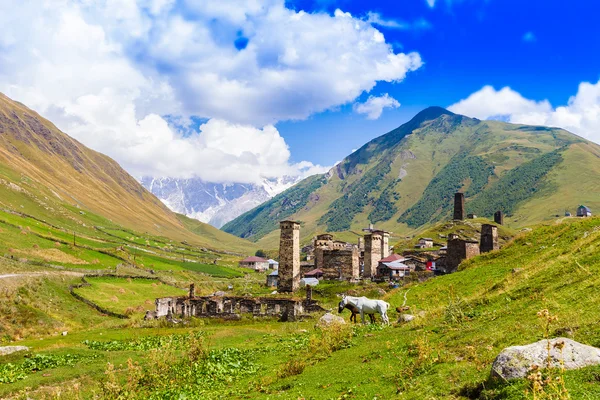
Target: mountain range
[214,203]
[405,180]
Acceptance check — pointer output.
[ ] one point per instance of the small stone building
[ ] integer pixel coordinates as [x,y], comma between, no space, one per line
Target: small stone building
[315,273]
[392,270]
[584,211]
[255,263]
[273,278]
[459,250]
[273,264]
[425,243]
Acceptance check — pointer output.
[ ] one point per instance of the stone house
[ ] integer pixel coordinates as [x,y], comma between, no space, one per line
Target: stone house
[584,211]
[255,263]
[315,273]
[273,264]
[392,270]
[273,278]
[425,243]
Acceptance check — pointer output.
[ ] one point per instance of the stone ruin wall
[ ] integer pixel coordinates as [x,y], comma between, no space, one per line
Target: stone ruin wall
[231,307]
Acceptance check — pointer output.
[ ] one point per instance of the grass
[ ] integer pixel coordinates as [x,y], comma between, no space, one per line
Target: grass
[126,296]
[463,321]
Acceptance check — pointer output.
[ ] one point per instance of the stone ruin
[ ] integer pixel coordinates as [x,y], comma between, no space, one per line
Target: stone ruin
[232,307]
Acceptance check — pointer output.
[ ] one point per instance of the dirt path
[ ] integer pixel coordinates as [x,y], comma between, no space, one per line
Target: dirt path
[48,273]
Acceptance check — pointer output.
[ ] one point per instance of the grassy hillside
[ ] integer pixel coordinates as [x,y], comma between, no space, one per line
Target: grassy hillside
[405,180]
[47,174]
[463,321]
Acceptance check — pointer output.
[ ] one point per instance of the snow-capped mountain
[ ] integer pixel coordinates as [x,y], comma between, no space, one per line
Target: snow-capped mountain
[214,203]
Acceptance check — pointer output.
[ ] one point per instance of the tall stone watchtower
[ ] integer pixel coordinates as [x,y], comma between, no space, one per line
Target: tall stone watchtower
[289,256]
[373,242]
[385,244]
[489,238]
[459,206]
[499,218]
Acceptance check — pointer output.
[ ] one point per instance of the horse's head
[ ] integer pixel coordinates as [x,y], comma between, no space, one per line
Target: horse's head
[342,303]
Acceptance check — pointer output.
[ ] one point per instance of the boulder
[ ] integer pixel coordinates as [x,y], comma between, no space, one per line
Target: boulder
[517,361]
[405,318]
[6,350]
[330,319]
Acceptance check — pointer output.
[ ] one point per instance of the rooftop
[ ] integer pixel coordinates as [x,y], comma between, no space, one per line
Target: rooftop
[254,259]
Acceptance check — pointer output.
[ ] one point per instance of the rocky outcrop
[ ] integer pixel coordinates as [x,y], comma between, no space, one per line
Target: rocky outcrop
[6,350]
[517,361]
[330,319]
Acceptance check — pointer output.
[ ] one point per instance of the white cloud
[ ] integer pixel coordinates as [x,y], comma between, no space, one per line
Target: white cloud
[374,106]
[107,72]
[430,3]
[581,115]
[376,19]
[529,37]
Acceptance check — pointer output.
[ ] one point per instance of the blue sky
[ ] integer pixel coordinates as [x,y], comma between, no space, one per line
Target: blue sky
[541,49]
[245,90]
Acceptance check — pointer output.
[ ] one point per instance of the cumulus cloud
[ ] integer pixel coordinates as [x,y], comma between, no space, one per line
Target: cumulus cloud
[374,106]
[109,72]
[581,114]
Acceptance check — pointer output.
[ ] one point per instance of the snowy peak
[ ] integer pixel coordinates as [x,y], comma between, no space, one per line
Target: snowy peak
[214,203]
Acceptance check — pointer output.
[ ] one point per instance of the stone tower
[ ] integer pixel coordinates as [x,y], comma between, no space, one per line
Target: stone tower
[459,206]
[489,238]
[289,256]
[385,244]
[499,218]
[373,243]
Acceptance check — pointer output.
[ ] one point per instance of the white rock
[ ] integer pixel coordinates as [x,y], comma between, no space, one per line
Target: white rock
[516,361]
[406,318]
[65,333]
[330,319]
[12,349]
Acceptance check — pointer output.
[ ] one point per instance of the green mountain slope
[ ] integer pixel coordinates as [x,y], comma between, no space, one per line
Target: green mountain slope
[49,175]
[405,180]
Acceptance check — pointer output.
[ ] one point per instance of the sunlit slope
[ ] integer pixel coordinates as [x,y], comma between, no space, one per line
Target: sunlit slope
[46,173]
[405,180]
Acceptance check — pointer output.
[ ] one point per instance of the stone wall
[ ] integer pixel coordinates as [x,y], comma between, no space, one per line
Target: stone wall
[231,307]
[289,257]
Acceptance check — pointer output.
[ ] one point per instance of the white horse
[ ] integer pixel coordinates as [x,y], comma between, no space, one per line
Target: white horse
[367,306]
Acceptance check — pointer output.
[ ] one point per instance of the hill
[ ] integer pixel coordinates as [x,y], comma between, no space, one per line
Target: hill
[49,175]
[404,180]
[463,320]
